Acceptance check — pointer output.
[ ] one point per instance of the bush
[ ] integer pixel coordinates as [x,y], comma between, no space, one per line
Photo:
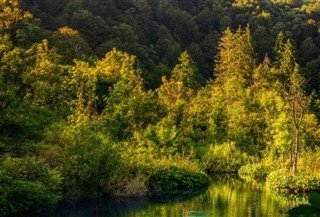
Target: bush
[255,172]
[27,183]
[224,158]
[281,180]
[167,174]
[173,180]
[91,164]
[309,161]
[88,161]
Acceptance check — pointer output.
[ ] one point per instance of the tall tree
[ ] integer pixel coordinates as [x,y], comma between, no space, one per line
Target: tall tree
[45,77]
[70,44]
[176,93]
[299,104]
[11,58]
[235,58]
[11,13]
[234,71]
[291,102]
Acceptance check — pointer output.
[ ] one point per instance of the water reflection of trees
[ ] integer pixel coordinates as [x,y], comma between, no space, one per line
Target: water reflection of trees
[230,197]
[227,196]
[307,210]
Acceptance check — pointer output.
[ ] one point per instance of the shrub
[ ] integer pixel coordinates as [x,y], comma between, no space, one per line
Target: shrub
[185,162]
[131,184]
[278,180]
[173,180]
[27,183]
[224,158]
[281,180]
[91,164]
[254,171]
[309,161]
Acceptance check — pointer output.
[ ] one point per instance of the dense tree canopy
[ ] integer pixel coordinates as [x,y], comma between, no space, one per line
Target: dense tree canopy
[158,31]
[101,96]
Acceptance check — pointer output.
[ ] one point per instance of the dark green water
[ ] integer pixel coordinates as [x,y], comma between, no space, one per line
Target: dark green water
[225,197]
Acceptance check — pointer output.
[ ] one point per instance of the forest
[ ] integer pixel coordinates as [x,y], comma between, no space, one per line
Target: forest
[139,97]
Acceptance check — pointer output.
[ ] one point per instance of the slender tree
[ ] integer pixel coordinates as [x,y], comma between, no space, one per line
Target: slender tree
[299,104]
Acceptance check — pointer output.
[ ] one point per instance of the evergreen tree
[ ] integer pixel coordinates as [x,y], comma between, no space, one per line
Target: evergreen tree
[234,69]
[186,71]
[236,57]
[176,93]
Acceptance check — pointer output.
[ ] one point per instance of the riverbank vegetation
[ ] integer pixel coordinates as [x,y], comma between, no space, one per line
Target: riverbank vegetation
[130,98]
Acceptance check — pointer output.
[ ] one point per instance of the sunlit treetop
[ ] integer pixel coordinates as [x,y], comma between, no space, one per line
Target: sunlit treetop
[11,14]
[185,71]
[117,64]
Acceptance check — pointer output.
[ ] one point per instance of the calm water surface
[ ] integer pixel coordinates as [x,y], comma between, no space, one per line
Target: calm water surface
[225,197]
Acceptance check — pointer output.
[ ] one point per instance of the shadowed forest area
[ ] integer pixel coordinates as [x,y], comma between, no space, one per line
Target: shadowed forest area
[147,97]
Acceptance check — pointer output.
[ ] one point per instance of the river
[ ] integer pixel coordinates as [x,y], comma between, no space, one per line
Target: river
[225,197]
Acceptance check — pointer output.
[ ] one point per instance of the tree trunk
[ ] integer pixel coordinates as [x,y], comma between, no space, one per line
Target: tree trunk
[291,159]
[295,152]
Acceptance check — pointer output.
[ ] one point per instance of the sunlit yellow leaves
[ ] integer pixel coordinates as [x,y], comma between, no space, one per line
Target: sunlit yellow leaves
[185,71]
[286,60]
[11,14]
[12,66]
[265,14]
[282,135]
[83,83]
[235,57]
[201,117]
[116,65]
[311,22]
[288,2]
[176,93]
[129,109]
[312,7]
[12,59]
[5,43]
[13,63]
[173,94]
[311,128]
[70,43]
[225,157]
[68,31]
[243,3]
[45,76]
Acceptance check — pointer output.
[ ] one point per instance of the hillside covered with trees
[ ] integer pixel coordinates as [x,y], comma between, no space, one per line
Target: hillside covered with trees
[140,97]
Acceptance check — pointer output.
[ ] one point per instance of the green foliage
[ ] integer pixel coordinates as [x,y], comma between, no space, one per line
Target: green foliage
[282,181]
[310,210]
[94,121]
[129,109]
[82,83]
[236,56]
[157,32]
[11,14]
[45,77]
[27,183]
[163,138]
[88,161]
[224,158]
[70,44]
[174,179]
[185,71]
[22,128]
[310,162]
[116,65]
[255,171]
